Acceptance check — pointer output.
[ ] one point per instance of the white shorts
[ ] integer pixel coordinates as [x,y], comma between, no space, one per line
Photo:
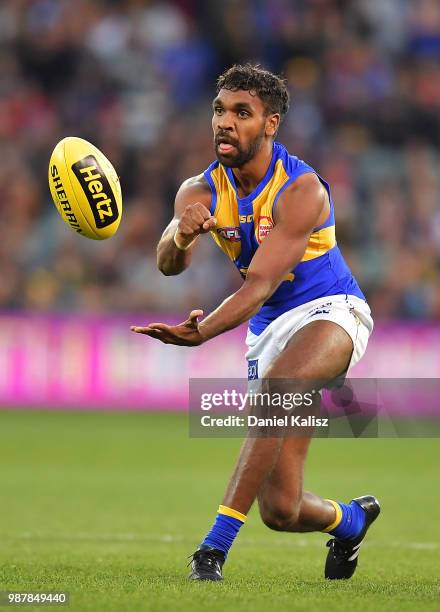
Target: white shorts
[348,311]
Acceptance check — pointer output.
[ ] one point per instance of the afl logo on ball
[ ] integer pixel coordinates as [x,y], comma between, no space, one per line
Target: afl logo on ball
[97,190]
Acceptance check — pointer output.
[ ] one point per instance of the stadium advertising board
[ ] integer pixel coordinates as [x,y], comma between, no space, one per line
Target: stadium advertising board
[80,362]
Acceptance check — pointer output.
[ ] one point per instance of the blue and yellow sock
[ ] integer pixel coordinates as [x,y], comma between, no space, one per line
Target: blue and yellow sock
[349,522]
[225,529]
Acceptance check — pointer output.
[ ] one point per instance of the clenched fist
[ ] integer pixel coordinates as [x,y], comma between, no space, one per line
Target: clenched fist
[195,220]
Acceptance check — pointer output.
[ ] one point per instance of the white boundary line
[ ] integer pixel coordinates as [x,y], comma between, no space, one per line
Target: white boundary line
[289,541]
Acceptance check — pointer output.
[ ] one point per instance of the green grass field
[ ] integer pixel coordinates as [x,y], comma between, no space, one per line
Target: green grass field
[108,506]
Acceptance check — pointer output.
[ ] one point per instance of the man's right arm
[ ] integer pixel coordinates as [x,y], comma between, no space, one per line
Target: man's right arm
[191,218]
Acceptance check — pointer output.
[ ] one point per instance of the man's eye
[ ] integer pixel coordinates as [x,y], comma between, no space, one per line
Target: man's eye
[218,110]
[243,114]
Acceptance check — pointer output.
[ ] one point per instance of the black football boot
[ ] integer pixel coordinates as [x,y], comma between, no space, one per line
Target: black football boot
[206,564]
[342,558]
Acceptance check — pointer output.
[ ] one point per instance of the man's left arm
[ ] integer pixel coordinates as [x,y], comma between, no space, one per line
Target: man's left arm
[298,212]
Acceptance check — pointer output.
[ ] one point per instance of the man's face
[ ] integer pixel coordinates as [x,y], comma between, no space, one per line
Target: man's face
[239,123]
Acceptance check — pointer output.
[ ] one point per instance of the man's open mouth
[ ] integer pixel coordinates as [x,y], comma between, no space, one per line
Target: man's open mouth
[225,147]
[224,144]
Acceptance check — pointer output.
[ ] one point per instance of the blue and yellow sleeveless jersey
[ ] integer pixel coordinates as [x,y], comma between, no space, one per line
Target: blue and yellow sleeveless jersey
[243,223]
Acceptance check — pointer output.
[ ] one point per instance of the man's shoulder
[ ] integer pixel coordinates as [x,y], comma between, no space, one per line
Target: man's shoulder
[303,197]
[195,183]
[307,182]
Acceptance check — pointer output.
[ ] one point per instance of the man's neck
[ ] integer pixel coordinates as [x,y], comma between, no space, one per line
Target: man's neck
[248,176]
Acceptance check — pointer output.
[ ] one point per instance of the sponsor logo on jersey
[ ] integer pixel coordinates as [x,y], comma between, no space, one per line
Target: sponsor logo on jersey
[97,190]
[246,218]
[230,233]
[265,224]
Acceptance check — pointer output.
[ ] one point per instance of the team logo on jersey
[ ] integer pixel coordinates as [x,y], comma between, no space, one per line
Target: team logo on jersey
[253,369]
[230,233]
[265,224]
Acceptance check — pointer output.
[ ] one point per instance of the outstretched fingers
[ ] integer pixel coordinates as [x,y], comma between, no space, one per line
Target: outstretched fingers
[148,331]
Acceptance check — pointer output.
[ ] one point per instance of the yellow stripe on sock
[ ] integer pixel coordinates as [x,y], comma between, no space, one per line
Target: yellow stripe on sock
[234,513]
[338,518]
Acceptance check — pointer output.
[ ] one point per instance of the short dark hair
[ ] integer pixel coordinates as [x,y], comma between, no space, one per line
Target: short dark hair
[271,88]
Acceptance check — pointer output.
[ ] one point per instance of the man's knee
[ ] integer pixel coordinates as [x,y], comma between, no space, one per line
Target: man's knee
[280,517]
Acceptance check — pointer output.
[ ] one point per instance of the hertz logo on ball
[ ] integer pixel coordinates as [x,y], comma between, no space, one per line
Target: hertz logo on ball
[85,188]
[97,190]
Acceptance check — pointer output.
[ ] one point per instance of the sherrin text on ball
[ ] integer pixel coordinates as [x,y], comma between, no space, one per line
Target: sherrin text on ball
[85,188]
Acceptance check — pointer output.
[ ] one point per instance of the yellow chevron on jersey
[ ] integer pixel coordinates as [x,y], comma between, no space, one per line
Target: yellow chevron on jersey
[243,223]
[320,242]
[227,234]
[263,203]
[226,213]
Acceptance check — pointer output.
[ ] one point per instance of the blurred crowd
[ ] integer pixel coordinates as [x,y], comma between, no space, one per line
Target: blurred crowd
[136,78]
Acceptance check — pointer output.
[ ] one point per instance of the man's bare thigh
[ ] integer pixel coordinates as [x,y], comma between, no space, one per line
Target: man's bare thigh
[320,351]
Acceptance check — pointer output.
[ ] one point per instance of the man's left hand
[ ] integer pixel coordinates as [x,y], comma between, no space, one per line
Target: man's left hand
[184,334]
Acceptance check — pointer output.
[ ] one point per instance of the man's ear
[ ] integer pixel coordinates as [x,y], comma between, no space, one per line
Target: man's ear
[272,124]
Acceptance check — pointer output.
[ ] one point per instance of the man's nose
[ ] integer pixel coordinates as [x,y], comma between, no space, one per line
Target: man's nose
[225,122]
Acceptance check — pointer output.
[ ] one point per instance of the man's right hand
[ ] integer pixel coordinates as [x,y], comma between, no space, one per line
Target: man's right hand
[195,220]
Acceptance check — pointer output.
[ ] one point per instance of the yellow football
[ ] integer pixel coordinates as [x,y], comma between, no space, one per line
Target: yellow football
[85,188]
